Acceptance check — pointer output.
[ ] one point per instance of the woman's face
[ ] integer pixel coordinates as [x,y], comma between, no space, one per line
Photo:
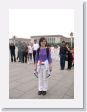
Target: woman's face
[43,43]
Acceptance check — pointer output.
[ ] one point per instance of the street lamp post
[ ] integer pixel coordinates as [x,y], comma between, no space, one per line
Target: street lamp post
[14,39]
[71,34]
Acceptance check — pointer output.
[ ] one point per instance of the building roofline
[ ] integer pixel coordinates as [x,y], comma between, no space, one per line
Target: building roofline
[20,38]
[48,36]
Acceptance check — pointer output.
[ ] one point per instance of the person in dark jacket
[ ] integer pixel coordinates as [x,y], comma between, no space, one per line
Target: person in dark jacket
[69,53]
[25,52]
[62,54]
[20,51]
[12,52]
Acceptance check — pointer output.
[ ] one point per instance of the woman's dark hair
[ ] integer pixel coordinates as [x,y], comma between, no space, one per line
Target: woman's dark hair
[41,40]
[63,41]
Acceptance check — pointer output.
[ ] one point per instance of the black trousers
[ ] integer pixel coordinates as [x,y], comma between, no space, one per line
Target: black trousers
[25,57]
[62,61]
[34,54]
[13,56]
[69,61]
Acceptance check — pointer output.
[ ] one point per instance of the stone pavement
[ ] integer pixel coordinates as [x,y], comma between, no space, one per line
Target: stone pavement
[24,85]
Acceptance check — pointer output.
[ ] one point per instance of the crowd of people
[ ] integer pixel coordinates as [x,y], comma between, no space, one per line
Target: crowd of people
[66,54]
[23,52]
[26,52]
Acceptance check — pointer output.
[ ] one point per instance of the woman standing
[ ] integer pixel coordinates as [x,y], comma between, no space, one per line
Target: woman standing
[30,52]
[72,56]
[69,57]
[43,65]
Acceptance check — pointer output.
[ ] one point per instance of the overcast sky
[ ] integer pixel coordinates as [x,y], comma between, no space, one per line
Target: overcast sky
[24,23]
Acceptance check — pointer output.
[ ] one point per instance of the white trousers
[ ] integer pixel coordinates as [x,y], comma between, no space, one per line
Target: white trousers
[42,78]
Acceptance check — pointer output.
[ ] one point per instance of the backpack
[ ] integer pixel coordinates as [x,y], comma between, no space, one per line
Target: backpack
[47,52]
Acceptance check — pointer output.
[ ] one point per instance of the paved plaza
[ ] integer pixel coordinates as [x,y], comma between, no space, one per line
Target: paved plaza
[24,85]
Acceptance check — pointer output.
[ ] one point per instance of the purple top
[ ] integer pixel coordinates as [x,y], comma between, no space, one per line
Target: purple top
[43,56]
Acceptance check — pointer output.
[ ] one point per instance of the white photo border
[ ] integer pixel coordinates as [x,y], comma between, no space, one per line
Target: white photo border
[77,102]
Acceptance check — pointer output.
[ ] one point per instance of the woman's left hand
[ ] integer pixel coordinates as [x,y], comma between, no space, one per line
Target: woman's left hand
[50,67]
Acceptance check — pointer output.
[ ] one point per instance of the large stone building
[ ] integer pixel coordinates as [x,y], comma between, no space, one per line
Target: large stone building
[53,38]
[16,40]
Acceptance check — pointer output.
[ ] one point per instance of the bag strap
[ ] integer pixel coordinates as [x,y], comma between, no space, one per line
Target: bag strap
[47,52]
